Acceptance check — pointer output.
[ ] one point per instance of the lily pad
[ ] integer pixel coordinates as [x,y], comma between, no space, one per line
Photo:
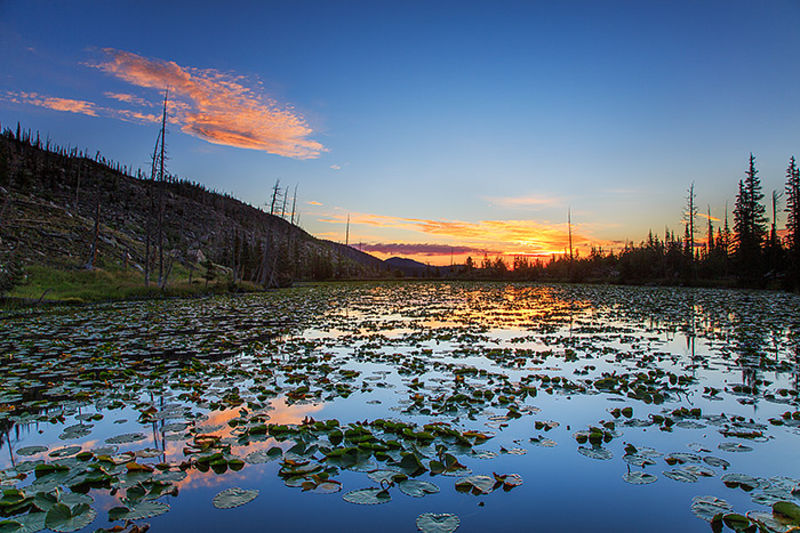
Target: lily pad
[477,484]
[707,507]
[27,523]
[438,523]
[31,450]
[734,447]
[63,519]
[65,451]
[417,488]
[681,475]
[595,452]
[369,496]
[639,478]
[139,511]
[233,497]
[126,438]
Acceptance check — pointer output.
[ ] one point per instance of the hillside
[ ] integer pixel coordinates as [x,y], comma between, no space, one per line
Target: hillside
[58,205]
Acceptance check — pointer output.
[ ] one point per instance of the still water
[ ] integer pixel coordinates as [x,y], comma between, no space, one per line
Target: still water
[497,406]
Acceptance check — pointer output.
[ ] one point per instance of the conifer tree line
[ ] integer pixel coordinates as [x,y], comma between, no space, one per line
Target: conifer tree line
[746,247]
[754,252]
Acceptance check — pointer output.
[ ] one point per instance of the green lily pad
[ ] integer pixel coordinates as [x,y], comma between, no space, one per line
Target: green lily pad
[65,451]
[595,452]
[27,523]
[63,519]
[736,521]
[716,462]
[477,484]
[233,497]
[639,478]
[126,438]
[31,450]
[681,475]
[734,447]
[707,507]
[788,511]
[139,511]
[438,523]
[417,488]
[369,496]
[385,476]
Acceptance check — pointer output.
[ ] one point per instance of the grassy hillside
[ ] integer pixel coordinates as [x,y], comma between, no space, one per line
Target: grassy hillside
[58,205]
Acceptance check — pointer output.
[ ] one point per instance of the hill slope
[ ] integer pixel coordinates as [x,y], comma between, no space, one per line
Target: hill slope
[57,206]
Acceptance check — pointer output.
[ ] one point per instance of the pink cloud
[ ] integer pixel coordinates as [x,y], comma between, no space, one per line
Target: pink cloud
[425,249]
[218,107]
[513,237]
[57,104]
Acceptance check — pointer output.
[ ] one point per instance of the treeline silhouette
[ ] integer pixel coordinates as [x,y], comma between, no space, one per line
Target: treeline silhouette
[752,253]
[268,248]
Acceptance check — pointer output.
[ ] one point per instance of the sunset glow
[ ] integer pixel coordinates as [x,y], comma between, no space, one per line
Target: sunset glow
[441,146]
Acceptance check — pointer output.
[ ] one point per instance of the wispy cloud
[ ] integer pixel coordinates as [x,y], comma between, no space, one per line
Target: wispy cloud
[218,107]
[221,108]
[707,217]
[313,202]
[51,102]
[336,167]
[424,249]
[509,236]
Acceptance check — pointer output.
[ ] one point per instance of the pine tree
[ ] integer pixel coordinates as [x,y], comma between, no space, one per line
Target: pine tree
[749,223]
[793,219]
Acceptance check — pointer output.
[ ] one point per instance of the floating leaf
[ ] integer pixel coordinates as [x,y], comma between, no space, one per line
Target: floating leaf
[65,452]
[27,523]
[233,497]
[139,511]
[477,484]
[707,507]
[369,496]
[437,523]
[734,447]
[788,511]
[595,452]
[639,478]
[417,488]
[64,519]
[31,450]
[681,475]
[126,438]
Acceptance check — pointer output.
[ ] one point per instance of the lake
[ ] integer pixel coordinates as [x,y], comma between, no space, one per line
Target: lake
[393,406]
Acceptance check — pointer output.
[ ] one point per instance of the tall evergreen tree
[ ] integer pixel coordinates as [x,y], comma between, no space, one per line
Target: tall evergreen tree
[749,223]
[793,220]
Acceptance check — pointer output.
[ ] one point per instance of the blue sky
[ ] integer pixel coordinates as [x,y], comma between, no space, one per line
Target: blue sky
[464,124]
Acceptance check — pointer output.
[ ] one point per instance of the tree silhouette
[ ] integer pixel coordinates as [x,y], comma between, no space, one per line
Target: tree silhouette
[749,224]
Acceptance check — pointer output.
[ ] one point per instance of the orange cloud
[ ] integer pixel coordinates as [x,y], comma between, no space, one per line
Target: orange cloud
[57,104]
[707,217]
[513,237]
[217,107]
[423,249]
[312,202]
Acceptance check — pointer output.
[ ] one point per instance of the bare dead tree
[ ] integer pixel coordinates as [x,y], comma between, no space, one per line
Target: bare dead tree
[161,279]
[149,216]
[276,190]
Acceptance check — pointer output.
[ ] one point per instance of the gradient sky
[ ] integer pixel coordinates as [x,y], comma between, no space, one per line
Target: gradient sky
[434,125]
